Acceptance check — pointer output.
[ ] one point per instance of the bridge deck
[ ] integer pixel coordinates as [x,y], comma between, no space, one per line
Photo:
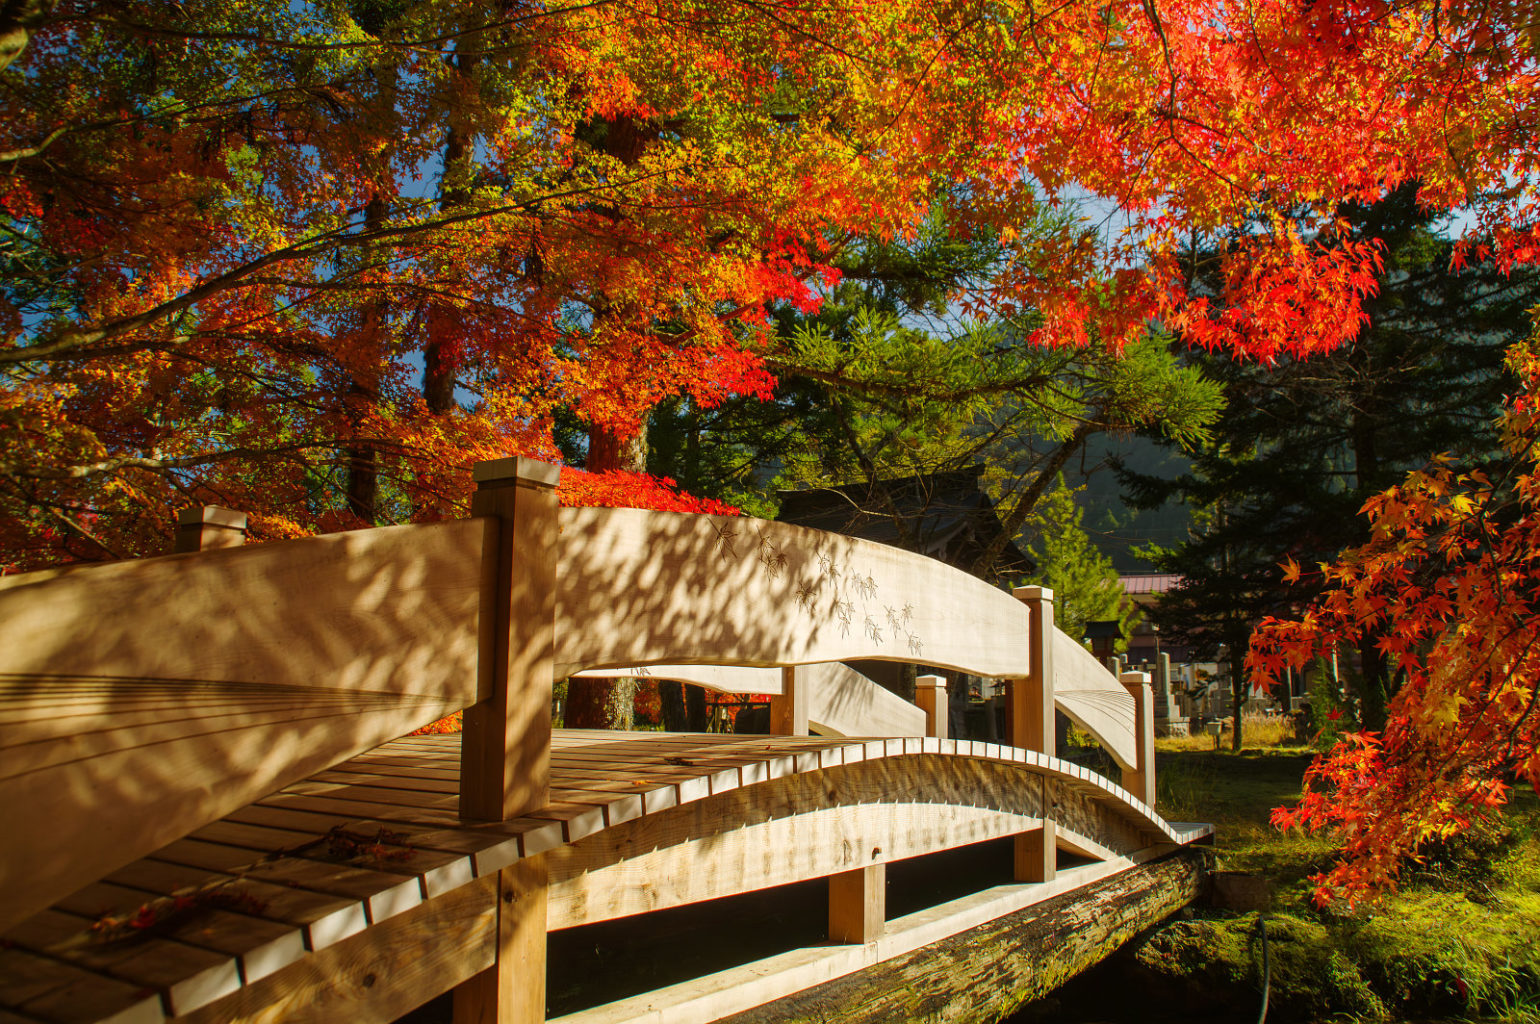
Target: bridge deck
[378,837]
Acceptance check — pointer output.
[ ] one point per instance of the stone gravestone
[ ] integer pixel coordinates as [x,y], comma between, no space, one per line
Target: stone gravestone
[1169,720]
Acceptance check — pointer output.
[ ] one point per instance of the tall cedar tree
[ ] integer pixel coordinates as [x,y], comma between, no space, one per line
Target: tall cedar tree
[1304,443]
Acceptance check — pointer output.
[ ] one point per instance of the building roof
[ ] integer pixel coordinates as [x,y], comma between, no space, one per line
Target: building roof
[944,515]
[1150,583]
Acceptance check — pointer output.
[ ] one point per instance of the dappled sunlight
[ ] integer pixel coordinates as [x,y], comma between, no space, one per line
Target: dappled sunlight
[147,698]
[638,588]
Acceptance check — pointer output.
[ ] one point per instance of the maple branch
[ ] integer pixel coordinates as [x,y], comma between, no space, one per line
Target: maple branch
[25,469]
[430,44]
[70,342]
[13,155]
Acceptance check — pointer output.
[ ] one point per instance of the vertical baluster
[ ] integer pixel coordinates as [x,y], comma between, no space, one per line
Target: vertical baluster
[930,697]
[1140,780]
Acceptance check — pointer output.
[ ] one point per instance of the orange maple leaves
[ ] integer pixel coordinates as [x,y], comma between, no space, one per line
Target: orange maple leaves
[1449,584]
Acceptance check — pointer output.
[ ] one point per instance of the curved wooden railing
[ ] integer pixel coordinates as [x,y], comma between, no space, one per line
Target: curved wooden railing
[146,698]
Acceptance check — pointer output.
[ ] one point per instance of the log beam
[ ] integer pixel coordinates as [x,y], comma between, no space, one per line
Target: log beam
[989,971]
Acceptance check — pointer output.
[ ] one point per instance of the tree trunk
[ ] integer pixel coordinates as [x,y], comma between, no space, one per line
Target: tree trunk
[1373,691]
[439,362]
[600,703]
[697,713]
[1237,692]
[1024,502]
[608,450]
[608,703]
[362,462]
[671,701]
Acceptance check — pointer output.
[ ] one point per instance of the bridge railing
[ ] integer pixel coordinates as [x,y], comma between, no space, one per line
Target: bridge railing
[281,659]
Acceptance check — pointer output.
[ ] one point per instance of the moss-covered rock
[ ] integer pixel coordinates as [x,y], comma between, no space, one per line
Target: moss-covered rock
[1216,963]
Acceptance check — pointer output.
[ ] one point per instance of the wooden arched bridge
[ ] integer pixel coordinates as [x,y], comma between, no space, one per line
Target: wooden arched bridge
[213,812]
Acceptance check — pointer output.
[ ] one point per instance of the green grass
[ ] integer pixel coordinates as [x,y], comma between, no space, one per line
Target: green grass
[1460,939]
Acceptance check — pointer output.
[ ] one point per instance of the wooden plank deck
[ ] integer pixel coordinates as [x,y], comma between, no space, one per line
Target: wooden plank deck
[374,839]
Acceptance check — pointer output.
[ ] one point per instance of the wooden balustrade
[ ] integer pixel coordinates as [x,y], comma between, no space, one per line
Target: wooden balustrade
[305,652]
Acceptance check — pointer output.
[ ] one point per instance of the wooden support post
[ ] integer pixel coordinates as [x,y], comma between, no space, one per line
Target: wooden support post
[505,751]
[930,697]
[512,990]
[1140,781]
[209,527]
[788,709]
[1036,852]
[1029,710]
[858,904]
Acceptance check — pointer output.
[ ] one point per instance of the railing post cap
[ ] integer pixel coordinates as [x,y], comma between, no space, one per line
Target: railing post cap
[1135,678]
[517,469]
[1032,593]
[930,682]
[212,515]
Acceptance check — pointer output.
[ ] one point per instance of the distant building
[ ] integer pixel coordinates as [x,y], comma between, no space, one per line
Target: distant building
[1145,645]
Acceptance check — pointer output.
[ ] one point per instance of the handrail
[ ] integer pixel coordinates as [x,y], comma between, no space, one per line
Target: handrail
[1094,699]
[196,683]
[148,698]
[637,588]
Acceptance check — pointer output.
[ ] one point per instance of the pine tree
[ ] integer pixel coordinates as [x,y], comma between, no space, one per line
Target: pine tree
[1304,442]
[1085,585]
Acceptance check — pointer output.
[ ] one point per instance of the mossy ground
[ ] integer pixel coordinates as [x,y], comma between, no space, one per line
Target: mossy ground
[1459,940]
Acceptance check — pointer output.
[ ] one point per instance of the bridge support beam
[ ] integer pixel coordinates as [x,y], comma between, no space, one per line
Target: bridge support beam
[505,751]
[512,990]
[992,969]
[858,904]
[1037,853]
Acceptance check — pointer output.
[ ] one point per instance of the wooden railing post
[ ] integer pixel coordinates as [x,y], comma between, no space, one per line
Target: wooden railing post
[930,697]
[1029,713]
[505,750]
[208,527]
[1029,723]
[505,753]
[788,709]
[1140,781]
[858,904]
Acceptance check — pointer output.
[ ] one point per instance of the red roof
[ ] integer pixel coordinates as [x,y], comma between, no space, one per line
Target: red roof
[1150,583]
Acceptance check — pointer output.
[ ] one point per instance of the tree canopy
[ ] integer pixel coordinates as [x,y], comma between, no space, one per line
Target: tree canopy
[310,258]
